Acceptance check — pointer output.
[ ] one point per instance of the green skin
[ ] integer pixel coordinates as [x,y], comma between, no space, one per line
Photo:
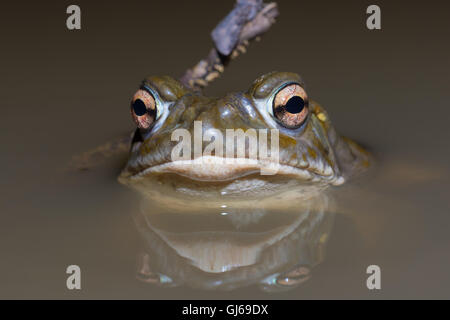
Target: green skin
[312,157]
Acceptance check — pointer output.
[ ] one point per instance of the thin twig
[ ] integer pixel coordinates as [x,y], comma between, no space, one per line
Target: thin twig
[247,21]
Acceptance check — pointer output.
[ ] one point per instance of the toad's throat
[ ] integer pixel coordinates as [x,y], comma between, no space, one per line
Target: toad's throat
[212,168]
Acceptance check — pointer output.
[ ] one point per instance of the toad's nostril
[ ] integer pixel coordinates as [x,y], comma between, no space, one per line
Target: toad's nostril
[139,107]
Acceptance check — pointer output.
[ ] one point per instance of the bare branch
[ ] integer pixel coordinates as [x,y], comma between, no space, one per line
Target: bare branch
[247,21]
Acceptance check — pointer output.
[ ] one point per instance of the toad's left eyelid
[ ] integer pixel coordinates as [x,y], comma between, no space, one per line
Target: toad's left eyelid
[151,91]
[284,85]
[158,102]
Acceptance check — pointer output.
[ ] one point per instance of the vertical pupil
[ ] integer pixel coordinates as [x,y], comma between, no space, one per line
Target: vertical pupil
[295,105]
[139,107]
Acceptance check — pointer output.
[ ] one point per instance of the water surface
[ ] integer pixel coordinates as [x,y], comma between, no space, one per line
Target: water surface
[66,92]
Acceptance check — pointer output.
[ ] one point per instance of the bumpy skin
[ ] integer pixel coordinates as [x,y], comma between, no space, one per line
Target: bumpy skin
[312,157]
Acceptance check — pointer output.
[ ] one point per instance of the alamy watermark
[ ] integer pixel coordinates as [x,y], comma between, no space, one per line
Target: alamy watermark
[251,145]
[374,280]
[73,21]
[373,22]
[73,281]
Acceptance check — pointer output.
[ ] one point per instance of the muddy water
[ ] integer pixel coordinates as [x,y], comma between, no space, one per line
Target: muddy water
[67,92]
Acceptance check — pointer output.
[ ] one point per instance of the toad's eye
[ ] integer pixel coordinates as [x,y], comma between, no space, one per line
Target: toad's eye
[290,106]
[143,109]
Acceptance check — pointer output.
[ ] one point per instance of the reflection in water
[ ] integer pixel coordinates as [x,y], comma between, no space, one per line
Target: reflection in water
[232,247]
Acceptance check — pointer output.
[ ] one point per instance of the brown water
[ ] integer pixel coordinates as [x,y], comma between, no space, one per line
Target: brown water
[67,92]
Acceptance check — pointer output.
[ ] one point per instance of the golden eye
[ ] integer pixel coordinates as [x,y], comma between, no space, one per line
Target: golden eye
[143,109]
[290,106]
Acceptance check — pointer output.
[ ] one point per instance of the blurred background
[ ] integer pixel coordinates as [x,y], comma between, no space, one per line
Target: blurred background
[65,92]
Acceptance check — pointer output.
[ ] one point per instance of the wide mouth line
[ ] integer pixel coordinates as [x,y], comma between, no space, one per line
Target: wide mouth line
[212,168]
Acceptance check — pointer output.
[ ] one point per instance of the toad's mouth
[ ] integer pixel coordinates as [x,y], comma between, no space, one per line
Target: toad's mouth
[219,169]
